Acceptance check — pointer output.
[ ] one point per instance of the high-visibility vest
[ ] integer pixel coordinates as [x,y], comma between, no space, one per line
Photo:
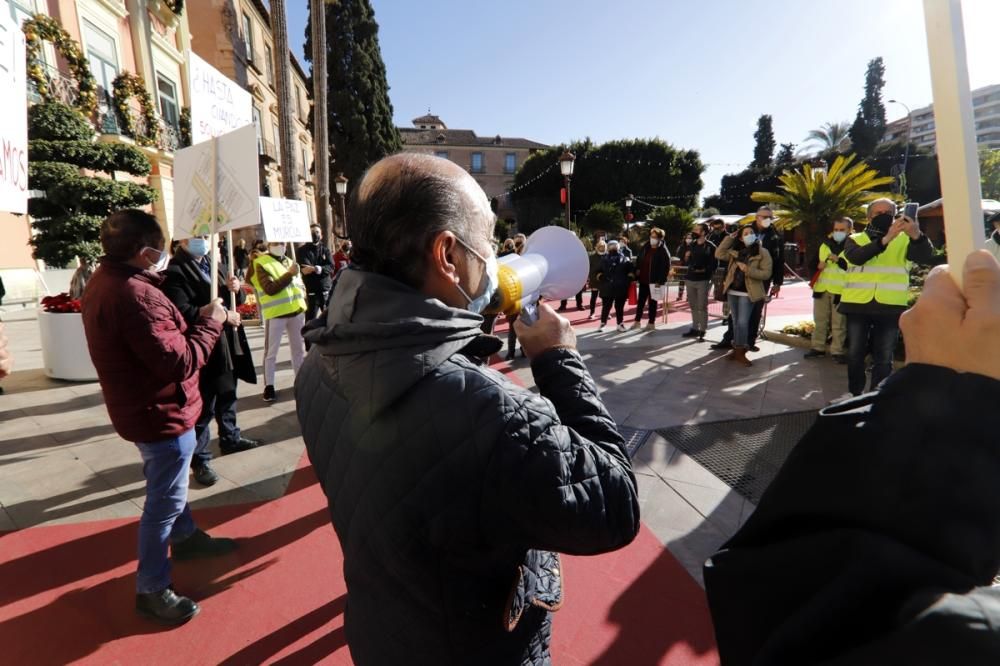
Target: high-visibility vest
[833,277]
[289,301]
[884,279]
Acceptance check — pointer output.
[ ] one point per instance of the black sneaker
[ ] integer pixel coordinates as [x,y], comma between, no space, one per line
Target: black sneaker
[814,353]
[269,394]
[200,544]
[754,348]
[691,334]
[165,607]
[205,475]
[242,444]
[721,345]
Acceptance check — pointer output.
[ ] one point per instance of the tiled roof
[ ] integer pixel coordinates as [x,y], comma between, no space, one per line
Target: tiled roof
[448,137]
[429,120]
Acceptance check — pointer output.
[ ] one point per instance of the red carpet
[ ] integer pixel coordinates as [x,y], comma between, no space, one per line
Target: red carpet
[66,595]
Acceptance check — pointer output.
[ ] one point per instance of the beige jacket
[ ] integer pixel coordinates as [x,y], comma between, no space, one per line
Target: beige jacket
[758,268]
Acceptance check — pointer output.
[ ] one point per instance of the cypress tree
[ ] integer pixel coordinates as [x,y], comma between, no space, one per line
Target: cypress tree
[359,111]
[763,151]
[869,125]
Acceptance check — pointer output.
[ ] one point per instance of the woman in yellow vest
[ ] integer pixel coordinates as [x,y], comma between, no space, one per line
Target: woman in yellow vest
[877,290]
[283,306]
[827,291]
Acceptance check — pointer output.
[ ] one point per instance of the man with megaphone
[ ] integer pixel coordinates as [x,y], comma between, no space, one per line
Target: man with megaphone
[451,489]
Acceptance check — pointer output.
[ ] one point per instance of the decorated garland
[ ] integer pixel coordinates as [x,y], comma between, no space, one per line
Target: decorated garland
[44,28]
[128,85]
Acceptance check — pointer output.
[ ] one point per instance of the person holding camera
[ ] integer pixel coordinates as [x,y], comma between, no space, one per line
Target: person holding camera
[877,289]
[745,286]
[828,286]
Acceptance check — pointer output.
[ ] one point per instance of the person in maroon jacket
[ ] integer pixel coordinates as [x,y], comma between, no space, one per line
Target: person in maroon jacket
[148,361]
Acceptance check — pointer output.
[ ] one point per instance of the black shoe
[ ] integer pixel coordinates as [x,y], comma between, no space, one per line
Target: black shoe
[205,475]
[269,394]
[165,607]
[691,334]
[754,348]
[721,345]
[509,356]
[840,359]
[814,353]
[242,444]
[200,544]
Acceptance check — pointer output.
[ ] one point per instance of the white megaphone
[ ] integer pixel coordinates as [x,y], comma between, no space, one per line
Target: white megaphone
[554,266]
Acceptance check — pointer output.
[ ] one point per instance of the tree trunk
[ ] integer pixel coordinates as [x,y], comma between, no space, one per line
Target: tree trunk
[321,143]
[290,187]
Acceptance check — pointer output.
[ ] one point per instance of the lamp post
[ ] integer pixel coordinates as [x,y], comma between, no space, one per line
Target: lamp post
[566,167]
[628,211]
[340,182]
[909,132]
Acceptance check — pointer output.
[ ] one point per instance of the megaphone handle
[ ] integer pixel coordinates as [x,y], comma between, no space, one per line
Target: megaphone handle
[529,313]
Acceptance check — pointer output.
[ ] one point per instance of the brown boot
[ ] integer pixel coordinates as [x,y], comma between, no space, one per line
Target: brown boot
[739,354]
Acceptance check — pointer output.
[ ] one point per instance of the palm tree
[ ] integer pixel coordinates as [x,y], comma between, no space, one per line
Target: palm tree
[814,197]
[290,187]
[831,137]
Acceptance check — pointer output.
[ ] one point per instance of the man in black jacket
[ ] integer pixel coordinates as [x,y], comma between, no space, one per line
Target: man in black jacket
[651,271]
[188,285]
[449,487]
[878,540]
[317,272]
[773,241]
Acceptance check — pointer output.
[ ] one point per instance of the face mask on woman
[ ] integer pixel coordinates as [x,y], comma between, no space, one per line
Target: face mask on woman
[749,239]
[654,242]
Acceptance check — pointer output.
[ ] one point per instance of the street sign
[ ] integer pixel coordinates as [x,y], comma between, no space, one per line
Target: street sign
[218,104]
[285,220]
[13,119]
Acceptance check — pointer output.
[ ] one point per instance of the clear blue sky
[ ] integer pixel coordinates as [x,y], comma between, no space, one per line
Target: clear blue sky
[697,74]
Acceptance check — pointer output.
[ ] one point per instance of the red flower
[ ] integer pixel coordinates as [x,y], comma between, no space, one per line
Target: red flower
[60,303]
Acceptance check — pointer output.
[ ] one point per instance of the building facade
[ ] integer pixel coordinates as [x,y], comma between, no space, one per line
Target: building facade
[985,109]
[492,161]
[234,36]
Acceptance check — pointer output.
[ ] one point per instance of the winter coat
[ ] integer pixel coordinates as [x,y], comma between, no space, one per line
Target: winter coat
[759,268]
[449,486]
[318,256]
[187,287]
[773,241]
[614,275]
[659,265]
[700,261]
[147,357]
[595,268]
[877,541]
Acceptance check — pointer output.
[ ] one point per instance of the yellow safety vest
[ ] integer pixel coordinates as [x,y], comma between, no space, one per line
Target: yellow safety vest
[833,277]
[289,301]
[884,279]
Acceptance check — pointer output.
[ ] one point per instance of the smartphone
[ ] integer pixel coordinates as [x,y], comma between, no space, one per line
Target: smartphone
[911,209]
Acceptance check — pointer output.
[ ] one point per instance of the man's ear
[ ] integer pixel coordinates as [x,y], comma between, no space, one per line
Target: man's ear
[444,257]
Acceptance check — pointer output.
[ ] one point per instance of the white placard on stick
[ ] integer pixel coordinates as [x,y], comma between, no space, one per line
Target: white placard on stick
[285,220]
[218,104]
[958,161]
[234,191]
[13,119]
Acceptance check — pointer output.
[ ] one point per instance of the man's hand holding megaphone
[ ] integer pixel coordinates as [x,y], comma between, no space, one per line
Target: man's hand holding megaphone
[550,331]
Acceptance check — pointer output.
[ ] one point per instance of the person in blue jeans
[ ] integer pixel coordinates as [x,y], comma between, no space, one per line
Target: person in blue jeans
[148,361]
[749,267]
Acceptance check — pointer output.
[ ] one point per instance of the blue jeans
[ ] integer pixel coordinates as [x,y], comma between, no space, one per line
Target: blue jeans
[166,517]
[740,309]
[882,331]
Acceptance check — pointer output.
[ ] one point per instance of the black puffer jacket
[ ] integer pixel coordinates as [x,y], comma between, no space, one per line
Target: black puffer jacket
[447,484]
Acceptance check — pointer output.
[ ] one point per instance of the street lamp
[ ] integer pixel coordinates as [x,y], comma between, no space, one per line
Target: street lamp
[909,132]
[566,161]
[628,211]
[340,183]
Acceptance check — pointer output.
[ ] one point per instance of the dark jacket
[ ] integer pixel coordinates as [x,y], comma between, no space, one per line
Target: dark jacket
[187,287]
[877,542]
[659,265]
[319,256]
[448,485]
[774,242]
[595,268]
[147,357]
[614,275]
[700,261]
[919,251]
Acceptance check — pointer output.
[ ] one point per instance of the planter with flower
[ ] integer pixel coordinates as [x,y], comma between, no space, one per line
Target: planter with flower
[64,344]
[249,312]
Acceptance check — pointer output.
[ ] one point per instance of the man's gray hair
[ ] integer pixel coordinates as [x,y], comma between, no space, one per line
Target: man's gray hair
[401,206]
[871,205]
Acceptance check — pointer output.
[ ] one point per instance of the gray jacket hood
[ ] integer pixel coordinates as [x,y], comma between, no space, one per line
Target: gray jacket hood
[381,337]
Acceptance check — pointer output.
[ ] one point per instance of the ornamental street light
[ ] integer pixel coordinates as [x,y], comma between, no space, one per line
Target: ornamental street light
[340,183]
[628,211]
[566,161]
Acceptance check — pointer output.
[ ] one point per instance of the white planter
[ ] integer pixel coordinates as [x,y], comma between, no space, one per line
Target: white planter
[64,347]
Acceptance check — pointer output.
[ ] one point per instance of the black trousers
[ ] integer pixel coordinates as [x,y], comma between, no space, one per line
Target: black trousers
[877,332]
[618,300]
[593,301]
[579,301]
[315,302]
[644,295]
[220,407]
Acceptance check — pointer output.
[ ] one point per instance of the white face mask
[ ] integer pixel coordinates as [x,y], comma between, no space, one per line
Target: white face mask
[839,236]
[491,276]
[161,263]
[766,222]
[277,250]
[653,242]
[749,239]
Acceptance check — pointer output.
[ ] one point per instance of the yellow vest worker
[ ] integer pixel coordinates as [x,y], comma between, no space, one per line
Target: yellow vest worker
[283,306]
[829,324]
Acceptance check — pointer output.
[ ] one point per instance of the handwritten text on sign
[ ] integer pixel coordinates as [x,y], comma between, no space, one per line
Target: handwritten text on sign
[13,119]
[285,220]
[218,104]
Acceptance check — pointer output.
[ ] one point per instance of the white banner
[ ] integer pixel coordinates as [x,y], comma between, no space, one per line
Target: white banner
[285,220]
[218,104]
[237,181]
[13,119]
